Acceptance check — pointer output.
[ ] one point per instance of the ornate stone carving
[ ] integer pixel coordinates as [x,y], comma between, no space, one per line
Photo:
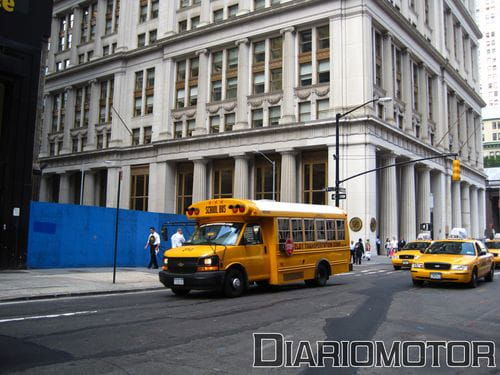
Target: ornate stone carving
[303,93]
[322,90]
[274,99]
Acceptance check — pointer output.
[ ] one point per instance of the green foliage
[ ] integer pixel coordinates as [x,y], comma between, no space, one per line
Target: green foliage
[492,161]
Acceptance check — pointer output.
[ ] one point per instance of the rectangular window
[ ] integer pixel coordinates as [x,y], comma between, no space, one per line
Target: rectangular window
[340,230]
[276,48]
[257,118]
[194,68]
[323,71]
[264,181]
[305,74]
[217,63]
[415,86]
[218,15]
[258,83]
[139,189]
[195,21]
[183,25]
[136,137]
[193,95]
[378,58]
[297,230]
[141,40]
[305,40]
[232,11]
[398,73]
[214,124]
[149,104]
[105,50]
[74,144]
[259,52]
[143,11]
[430,97]
[320,230]
[100,141]
[155,8]
[180,97]
[284,233]
[304,111]
[323,37]
[223,183]
[152,36]
[259,4]
[216,90]
[181,71]
[229,121]
[276,80]
[274,115]
[322,109]
[191,125]
[232,58]
[231,88]
[178,129]
[148,135]
[315,181]
[138,106]
[330,230]
[309,230]
[184,190]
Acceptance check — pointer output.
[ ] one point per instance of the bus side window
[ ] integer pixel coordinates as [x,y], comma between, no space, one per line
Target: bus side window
[252,235]
[340,230]
[297,233]
[330,230]
[283,232]
[309,230]
[320,230]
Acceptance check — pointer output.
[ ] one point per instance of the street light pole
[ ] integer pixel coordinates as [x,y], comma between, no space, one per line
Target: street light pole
[116,225]
[338,116]
[274,172]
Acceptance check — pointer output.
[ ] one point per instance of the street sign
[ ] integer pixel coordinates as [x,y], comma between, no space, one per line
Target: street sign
[341,189]
[341,196]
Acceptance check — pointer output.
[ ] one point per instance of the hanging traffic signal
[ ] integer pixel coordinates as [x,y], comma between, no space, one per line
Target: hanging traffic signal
[455,170]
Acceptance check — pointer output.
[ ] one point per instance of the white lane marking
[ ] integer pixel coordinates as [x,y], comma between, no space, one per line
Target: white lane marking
[47,316]
[382,271]
[497,273]
[365,271]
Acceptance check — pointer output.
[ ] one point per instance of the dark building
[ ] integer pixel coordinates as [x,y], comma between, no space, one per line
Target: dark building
[24,32]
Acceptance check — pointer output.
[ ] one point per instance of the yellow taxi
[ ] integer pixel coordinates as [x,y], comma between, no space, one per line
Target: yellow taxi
[494,248]
[410,252]
[456,259]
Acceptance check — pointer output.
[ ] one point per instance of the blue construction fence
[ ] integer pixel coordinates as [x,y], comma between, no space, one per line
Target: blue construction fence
[66,235]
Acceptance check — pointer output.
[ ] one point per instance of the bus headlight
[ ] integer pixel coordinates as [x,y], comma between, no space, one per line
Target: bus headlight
[208,264]
[459,267]
[417,265]
[165,261]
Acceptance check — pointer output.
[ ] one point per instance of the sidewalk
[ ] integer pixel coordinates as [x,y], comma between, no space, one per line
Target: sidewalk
[50,283]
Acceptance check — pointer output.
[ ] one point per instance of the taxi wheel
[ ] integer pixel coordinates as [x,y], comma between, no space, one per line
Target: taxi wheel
[234,283]
[491,274]
[180,291]
[397,268]
[418,282]
[473,280]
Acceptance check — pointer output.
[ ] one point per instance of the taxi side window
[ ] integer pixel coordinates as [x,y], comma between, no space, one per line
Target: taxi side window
[252,235]
[468,249]
[478,249]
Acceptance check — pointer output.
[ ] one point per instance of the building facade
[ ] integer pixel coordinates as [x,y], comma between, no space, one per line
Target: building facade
[181,97]
[491,135]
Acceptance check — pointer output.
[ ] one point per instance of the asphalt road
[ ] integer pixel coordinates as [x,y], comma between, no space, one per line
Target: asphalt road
[156,332]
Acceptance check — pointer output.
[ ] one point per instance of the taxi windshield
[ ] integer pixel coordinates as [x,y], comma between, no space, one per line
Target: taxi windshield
[449,247]
[416,246]
[493,245]
[216,233]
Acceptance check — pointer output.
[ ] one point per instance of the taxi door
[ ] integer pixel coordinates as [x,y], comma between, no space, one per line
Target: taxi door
[256,252]
[484,260]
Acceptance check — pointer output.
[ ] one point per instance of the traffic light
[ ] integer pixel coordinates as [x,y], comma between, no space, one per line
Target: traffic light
[455,170]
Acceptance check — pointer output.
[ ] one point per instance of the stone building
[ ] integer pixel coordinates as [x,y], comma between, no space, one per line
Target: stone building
[182,96]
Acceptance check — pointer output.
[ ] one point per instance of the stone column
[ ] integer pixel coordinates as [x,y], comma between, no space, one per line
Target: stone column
[388,77]
[200,180]
[112,186]
[169,14]
[471,145]
[128,16]
[289,176]
[77,32]
[460,49]
[119,133]
[205,13]
[244,6]
[201,107]
[125,187]
[93,114]
[466,207]
[481,210]
[54,35]
[474,223]
[287,106]
[169,187]
[44,188]
[456,204]
[441,114]
[408,223]
[462,130]
[100,27]
[89,189]
[422,100]
[243,84]
[241,177]
[166,127]
[162,187]
[454,123]
[388,199]
[439,209]
[64,188]
[407,92]
[69,119]
[424,192]
[479,141]
[46,125]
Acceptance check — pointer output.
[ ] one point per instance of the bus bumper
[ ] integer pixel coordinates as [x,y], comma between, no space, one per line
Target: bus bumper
[198,280]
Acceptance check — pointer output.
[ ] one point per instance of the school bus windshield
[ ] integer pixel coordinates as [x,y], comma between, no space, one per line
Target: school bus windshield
[216,233]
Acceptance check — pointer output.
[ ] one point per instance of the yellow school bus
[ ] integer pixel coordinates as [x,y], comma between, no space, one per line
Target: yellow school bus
[239,242]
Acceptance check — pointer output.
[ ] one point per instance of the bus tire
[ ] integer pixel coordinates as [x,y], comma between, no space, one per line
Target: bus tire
[321,277]
[180,291]
[234,283]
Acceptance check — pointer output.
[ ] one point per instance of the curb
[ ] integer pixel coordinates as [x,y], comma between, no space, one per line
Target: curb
[78,294]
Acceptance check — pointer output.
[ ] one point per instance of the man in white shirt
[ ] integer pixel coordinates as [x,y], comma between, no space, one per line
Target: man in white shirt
[177,239]
[154,243]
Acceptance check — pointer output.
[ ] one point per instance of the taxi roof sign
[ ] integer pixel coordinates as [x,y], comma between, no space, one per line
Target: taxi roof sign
[424,236]
[458,233]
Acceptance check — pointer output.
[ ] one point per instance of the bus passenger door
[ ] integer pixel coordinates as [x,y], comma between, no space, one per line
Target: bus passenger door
[256,252]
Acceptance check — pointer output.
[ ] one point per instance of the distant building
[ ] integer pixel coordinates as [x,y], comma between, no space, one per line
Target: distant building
[181,95]
[24,31]
[492,198]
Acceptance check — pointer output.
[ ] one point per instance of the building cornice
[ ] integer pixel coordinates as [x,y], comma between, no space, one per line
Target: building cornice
[470,20]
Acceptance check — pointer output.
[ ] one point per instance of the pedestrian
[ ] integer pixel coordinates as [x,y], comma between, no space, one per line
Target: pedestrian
[177,239]
[378,245]
[353,254]
[359,249]
[489,232]
[387,247]
[154,244]
[401,244]
[368,250]
[394,246]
